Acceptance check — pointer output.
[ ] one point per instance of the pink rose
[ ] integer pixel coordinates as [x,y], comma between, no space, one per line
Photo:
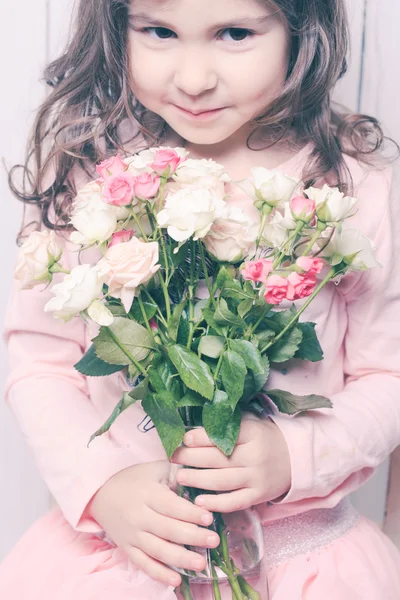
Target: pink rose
[303,209]
[111,166]
[118,190]
[257,270]
[146,185]
[126,266]
[121,236]
[163,159]
[276,288]
[300,286]
[310,264]
[153,324]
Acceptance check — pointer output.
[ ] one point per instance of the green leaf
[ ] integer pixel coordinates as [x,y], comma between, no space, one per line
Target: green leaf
[244,307]
[150,310]
[191,398]
[255,382]
[222,277]
[122,405]
[309,348]
[166,419]
[163,378]
[183,330]
[121,341]
[233,373]
[290,404]
[250,354]
[194,373]
[140,390]
[224,316]
[174,320]
[221,424]
[211,345]
[233,289]
[92,366]
[208,315]
[285,348]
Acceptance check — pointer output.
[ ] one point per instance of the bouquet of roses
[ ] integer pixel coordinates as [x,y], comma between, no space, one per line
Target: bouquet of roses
[187,288]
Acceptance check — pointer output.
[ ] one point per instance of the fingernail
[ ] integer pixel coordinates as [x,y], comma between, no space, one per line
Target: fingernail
[175,580]
[188,439]
[207,519]
[199,501]
[212,540]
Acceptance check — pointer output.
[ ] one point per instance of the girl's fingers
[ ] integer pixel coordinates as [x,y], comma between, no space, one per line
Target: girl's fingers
[216,480]
[226,503]
[197,437]
[171,505]
[153,568]
[169,553]
[179,532]
[202,458]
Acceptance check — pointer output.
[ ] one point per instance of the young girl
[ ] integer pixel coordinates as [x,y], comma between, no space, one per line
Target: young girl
[247,83]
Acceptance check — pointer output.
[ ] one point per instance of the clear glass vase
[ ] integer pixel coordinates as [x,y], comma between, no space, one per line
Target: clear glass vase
[236,569]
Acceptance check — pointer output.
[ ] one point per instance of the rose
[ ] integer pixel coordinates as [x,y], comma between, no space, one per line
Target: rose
[94,220]
[353,249]
[36,256]
[232,236]
[118,190]
[302,209]
[268,187]
[190,212]
[75,293]
[146,185]
[331,205]
[257,270]
[142,161]
[165,161]
[204,173]
[300,286]
[111,166]
[121,236]
[126,266]
[276,288]
[310,264]
[279,227]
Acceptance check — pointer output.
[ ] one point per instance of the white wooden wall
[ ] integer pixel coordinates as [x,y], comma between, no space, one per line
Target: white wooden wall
[31,33]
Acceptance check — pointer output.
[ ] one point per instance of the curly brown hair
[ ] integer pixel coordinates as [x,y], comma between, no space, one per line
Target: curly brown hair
[79,123]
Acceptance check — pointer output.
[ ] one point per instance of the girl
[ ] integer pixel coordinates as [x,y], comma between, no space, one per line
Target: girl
[247,83]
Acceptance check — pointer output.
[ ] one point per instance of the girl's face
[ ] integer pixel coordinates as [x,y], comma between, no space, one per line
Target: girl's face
[188,57]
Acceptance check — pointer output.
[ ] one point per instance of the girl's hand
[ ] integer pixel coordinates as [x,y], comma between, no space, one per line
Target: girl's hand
[151,523]
[258,470]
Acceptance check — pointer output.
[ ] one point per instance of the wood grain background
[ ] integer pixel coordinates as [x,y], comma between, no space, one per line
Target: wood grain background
[33,32]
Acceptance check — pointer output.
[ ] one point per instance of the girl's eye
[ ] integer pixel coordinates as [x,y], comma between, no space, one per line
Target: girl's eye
[159,33]
[237,34]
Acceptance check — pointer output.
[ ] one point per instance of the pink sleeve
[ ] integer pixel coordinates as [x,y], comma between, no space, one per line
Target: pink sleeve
[50,401]
[334,451]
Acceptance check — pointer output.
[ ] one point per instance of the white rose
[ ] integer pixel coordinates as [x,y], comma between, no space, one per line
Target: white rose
[190,212]
[140,162]
[94,220]
[331,205]
[75,293]
[279,227]
[195,170]
[233,236]
[37,254]
[353,248]
[269,187]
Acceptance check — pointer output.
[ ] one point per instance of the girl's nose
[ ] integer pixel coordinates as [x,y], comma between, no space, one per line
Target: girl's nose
[194,73]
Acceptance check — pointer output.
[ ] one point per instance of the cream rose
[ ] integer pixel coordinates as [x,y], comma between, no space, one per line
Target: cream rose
[269,187]
[331,205]
[233,236]
[126,266]
[142,161]
[75,293]
[94,220]
[279,227]
[35,257]
[353,248]
[190,212]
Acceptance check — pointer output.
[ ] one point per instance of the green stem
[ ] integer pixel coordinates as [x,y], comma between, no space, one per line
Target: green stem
[160,315]
[137,221]
[191,291]
[57,268]
[126,352]
[293,235]
[253,328]
[332,273]
[205,270]
[219,363]
[320,228]
[216,590]
[144,315]
[247,589]
[185,588]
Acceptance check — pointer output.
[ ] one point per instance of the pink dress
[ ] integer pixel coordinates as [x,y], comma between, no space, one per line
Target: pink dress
[317,546]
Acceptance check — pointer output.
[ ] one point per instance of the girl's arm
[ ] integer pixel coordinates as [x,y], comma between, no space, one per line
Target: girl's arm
[50,401]
[334,451]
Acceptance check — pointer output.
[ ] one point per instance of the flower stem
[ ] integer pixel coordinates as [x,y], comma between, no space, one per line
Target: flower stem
[191,291]
[144,315]
[205,270]
[320,228]
[126,352]
[332,273]
[185,588]
[293,235]
[137,221]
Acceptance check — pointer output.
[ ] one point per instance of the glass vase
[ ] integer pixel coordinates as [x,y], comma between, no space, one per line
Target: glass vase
[235,570]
